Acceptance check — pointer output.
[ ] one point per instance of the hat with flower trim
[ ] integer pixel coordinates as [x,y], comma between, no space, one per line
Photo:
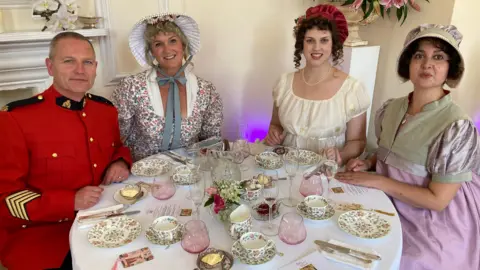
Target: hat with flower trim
[187,24]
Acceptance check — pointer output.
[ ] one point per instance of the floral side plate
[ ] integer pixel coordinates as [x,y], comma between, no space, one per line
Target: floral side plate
[151,167]
[239,252]
[364,224]
[302,210]
[114,232]
[305,157]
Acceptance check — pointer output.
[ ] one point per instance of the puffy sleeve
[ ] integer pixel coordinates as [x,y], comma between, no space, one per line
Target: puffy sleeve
[379,118]
[213,117]
[452,156]
[279,90]
[357,101]
[124,100]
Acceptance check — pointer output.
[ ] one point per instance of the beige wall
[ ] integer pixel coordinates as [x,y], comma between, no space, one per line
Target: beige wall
[467,94]
[246,45]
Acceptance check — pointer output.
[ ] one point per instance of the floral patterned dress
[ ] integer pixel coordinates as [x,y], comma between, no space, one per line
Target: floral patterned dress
[141,114]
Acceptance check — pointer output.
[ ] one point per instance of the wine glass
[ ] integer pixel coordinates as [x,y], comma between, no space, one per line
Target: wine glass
[291,161]
[270,192]
[195,238]
[292,230]
[197,194]
[331,156]
[240,151]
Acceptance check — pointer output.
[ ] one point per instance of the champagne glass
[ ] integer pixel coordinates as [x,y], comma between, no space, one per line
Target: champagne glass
[270,193]
[291,167]
[197,195]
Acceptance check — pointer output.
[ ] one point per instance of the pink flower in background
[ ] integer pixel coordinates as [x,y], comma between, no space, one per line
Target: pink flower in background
[219,203]
[414,5]
[386,3]
[399,3]
[357,4]
[211,191]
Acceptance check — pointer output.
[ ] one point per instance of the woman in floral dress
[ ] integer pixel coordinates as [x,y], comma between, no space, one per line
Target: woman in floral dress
[428,160]
[167,106]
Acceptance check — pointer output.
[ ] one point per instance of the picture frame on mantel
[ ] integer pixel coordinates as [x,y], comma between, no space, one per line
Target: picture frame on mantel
[7,4]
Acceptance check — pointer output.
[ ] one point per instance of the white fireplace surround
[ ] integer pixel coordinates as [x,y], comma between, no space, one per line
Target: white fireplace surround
[22,54]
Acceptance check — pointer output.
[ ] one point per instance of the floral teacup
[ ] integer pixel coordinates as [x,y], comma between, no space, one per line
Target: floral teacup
[183,175]
[165,227]
[255,244]
[315,204]
[240,221]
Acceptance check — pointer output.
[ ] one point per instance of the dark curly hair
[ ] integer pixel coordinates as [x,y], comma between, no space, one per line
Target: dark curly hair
[321,24]
[455,70]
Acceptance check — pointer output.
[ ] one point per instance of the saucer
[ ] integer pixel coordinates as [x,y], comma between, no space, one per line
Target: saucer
[302,210]
[118,198]
[154,239]
[239,252]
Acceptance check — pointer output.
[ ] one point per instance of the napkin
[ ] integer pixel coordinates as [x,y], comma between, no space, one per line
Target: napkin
[346,259]
[83,224]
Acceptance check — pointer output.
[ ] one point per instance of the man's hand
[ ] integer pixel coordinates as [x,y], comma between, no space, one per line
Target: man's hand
[116,172]
[87,197]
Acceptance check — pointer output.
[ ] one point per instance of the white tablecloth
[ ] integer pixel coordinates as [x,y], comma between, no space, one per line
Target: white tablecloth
[87,257]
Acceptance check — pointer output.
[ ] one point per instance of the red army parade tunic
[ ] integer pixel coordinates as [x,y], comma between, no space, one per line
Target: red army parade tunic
[50,147]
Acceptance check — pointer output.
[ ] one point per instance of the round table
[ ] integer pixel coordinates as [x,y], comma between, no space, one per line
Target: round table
[87,257]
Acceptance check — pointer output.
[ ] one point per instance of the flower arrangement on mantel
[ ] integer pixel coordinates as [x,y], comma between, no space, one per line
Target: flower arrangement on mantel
[380,7]
[60,14]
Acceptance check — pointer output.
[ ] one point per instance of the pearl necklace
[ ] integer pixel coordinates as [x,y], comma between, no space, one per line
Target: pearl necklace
[321,80]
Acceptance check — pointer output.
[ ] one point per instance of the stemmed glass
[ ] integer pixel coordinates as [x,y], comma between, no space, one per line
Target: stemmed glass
[197,194]
[291,160]
[270,194]
[240,151]
[331,156]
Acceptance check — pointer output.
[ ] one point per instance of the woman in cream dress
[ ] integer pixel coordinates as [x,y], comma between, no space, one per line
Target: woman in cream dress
[319,106]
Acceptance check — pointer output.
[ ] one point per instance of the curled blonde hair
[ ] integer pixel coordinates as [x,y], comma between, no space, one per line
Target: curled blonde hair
[153,30]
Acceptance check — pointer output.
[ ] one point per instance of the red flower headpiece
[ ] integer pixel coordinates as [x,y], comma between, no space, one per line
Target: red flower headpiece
[330,13]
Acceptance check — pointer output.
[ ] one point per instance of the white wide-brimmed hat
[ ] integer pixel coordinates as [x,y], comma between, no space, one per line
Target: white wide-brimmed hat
[187,24]
[447,33]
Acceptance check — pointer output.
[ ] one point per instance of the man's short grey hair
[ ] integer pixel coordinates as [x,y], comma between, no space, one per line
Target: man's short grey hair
[66,35]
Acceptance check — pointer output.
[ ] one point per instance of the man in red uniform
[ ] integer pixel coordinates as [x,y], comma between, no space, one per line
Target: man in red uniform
[55,149]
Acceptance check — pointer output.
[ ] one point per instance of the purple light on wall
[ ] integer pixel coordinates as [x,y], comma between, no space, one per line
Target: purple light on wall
[257,128]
